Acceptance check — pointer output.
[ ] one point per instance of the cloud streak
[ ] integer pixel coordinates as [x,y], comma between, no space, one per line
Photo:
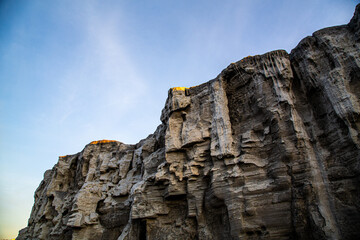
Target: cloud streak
[105,77]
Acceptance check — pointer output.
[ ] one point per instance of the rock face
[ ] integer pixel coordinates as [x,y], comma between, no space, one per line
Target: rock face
[270,149]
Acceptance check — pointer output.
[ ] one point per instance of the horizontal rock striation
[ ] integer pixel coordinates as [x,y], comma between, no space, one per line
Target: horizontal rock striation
[267,150]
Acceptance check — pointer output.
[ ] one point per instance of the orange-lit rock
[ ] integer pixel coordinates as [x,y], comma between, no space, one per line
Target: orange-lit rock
[103,141]
[179,88]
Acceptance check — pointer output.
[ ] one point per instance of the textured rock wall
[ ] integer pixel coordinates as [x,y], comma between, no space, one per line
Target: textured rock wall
[267,150]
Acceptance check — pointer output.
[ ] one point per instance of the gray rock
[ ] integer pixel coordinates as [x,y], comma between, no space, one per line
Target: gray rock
[267,150]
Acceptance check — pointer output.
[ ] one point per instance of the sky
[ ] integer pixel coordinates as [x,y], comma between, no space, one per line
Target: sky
[75,71]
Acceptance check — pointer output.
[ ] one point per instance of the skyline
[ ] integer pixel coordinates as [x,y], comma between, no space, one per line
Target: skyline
[72,73]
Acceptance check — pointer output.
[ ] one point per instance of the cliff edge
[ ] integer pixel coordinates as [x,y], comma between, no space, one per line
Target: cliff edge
[270,149]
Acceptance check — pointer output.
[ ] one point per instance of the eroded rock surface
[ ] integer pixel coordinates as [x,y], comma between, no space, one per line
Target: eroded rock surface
[267,150]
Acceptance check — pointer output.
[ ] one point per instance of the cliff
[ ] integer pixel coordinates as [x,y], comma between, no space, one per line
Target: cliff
[270,149]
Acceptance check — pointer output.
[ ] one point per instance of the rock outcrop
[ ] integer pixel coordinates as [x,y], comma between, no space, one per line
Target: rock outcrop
[270,149]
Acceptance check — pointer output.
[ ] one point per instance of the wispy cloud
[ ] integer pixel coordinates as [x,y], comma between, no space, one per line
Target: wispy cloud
[104,82]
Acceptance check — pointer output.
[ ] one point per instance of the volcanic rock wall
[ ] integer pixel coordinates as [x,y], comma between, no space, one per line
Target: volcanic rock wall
[270,149]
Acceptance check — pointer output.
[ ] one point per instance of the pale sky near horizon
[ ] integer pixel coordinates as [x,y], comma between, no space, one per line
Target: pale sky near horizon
[75,71]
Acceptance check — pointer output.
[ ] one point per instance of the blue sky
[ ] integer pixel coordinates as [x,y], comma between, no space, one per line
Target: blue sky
[76,71]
